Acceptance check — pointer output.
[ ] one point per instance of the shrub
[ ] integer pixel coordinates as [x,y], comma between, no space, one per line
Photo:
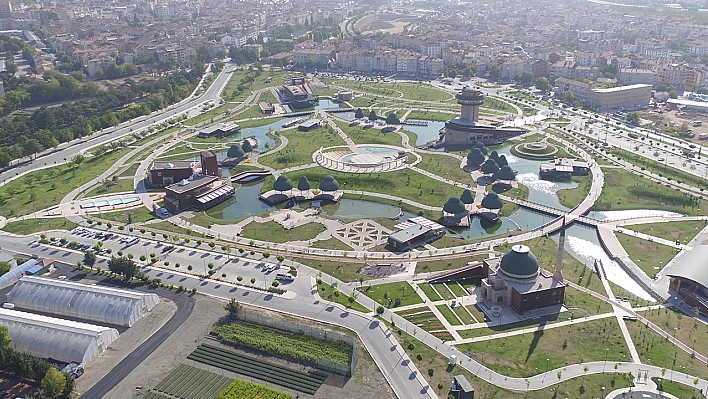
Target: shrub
[189,267]
[419,357]
[275,283]
[239,278]
[411,346]
[167,263]
[431,372]
[253,280]
[143,258]
[210,265]
[440,385]
[380,309]
[177,264]
[223,275]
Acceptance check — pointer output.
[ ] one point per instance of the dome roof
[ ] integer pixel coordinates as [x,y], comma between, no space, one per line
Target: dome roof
[492,201]
[519,263]
[467,197]
[303,184]
[471,94]
[329,184]
[235,151]
[505,173]
[454,206]
[475,156]
[489,166]
[282,183]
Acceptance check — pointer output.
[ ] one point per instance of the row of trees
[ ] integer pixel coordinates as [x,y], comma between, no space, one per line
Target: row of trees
[26,135]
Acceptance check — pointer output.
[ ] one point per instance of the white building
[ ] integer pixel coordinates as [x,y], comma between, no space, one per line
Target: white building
[82,301]
[58,339]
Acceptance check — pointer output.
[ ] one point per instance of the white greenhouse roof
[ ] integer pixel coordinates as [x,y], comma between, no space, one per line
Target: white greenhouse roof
[90,302]
[58,339]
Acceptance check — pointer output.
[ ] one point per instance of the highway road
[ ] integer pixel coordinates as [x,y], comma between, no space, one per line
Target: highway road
[190,106]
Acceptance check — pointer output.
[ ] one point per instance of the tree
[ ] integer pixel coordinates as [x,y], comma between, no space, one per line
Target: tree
[4,267]
[53,383]
[233,307]
[123,266]
[633,118]
[543,84]
[494,72]
[89,259]
[569,97]
[359,114]
[525,77]
[372,116]
[392,119]
[5,338]
[310,63]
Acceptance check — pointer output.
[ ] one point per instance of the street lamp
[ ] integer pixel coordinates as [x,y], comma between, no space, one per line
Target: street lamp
[547,364]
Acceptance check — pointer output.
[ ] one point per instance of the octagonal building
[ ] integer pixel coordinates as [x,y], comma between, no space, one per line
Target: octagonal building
[465,130]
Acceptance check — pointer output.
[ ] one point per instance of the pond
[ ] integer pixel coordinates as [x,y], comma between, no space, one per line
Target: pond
[260,134]
[426,133]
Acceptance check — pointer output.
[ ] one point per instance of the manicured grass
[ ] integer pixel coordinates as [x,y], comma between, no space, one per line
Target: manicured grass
[167,226]
[328,293]
[446,264]
[684,231]
[136,215]
[661,168]
[477,313]
[583,387]
[331,243]
[650,256]
[258,122]
[46,187]
[429,292]
[301,146]
[448,315]
[111,187]
[431,116]
[571,197]
[359,135]
[403,183]
[425,319]
[683,327]
[463,315]
[677,389]
[446,167]
[410,91]
[520,192]
[456,289]
[234,170]
[344,271]
[443,291]
[30,226]
[525,355]
[624,190]
[250,112]
[273,232]
[654,349]
[130,171]
[296,346]
[388,294]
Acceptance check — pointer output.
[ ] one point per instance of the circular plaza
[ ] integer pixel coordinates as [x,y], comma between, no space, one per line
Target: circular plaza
[366,158]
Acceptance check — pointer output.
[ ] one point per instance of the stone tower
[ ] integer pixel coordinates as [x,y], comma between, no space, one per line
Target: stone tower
[558,274]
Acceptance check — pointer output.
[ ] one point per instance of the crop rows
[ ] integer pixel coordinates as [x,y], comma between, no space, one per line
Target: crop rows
[188,382]
[297,346]
[245,365]
[154,395]
[245,390]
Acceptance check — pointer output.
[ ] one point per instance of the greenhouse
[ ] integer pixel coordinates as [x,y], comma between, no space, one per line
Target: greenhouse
[57,339]
[93,303]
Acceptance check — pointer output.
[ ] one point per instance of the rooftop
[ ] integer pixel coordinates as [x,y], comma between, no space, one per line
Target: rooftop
[622,88]
[194,182]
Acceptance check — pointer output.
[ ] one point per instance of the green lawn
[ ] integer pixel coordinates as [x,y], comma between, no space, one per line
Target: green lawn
[301,146]
[520,192]
[448,315]
[457,289]
[443,291]
[135,215]
[651,257]
[327,293]
[431,115]
[446,167]
[429,292]
[654,349]
[344,271]
[477,313]
[677,389]
[130,171]
[446,264]
[111,187]
[464,315]
[525,355]
[387,294]
[683,327]
[571,197]
[684,231]
[30,226]
[331,243]
[624,190]
[359,135]
[586,387]
[273,232]
[259,122]
[403,183]
[44,188]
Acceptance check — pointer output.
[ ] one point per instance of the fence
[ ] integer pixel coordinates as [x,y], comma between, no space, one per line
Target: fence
[312,331]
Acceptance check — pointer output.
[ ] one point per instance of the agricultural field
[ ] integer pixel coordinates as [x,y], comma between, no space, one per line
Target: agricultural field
[215,356]
[245,390]
[298,347]
[189,382]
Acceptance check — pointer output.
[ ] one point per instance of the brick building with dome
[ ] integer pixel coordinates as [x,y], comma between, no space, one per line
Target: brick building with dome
[516,280]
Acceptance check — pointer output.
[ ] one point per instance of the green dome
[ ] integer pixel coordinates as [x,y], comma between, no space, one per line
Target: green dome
[475,156]
[329,184]
[519,263]
[492,201]
[489,166]
[481,147]
[235,151]
[247,146]
[502,160]
[505,173]
[303,184]
[467,197]
[282,183]
[454,206]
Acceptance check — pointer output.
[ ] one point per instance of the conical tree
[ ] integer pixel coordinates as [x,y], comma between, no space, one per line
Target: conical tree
[303,184]
[454,206]
[489,166]
[282,183]
[329,184]
[495,156]
[246,146]
[235,151]
[467,197]
[481,147]
[392,119]
[502,161]
[492,201]
[359,113]
[505,173]
[372,116]
[475,156]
